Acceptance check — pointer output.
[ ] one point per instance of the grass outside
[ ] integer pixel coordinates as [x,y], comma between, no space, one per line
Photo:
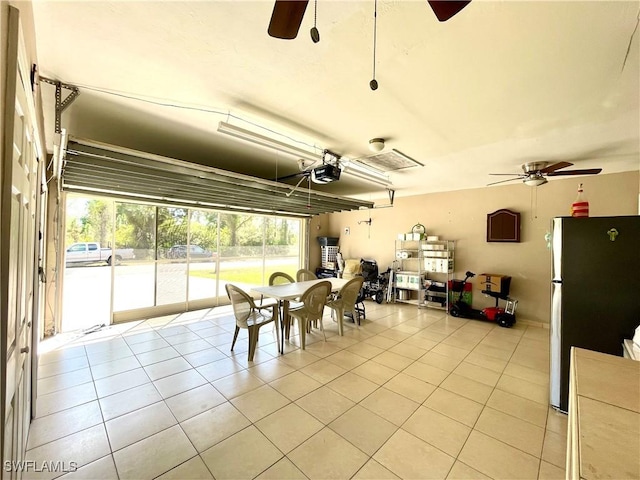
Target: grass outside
[251,275]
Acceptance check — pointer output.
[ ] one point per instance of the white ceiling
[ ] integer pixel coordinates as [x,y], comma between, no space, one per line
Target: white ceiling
[500,84]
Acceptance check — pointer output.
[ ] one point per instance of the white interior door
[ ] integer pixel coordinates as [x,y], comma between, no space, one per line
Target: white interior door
[18,264]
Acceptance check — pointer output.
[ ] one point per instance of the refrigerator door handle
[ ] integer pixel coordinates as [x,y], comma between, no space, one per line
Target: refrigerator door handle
[555,352]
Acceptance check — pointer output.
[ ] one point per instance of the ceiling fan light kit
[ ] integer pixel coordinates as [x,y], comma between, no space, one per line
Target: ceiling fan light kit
[535,181]
[376,144]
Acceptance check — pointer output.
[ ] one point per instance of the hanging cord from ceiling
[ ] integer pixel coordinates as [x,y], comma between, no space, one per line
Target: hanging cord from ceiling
[624,63]
[315,34]
[534,203]
[373,84]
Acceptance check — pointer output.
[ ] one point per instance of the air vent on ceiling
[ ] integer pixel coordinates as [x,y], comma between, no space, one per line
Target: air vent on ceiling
[389,161]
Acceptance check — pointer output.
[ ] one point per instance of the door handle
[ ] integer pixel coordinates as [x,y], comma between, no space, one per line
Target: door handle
[24,349]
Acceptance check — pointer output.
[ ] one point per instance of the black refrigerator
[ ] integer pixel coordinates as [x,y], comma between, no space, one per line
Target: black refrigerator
[595,291]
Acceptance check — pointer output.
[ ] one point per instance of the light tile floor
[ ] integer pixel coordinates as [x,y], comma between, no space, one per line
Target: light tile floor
[409,394]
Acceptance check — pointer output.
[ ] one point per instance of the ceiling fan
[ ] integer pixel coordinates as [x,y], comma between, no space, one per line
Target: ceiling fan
[287,15]
[535,173]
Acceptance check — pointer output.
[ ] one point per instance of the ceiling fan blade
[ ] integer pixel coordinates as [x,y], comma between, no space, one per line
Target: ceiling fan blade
[445,9]
[287,18]
[555,166]
[510,174]
[585,171]
[503,181]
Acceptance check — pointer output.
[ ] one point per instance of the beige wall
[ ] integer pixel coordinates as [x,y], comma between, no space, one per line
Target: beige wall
[461,216]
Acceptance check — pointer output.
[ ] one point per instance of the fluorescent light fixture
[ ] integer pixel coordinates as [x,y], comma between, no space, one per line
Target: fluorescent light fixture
[363,172]
[257,139]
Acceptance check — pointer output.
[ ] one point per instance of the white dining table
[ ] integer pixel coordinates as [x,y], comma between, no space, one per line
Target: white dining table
[285,292]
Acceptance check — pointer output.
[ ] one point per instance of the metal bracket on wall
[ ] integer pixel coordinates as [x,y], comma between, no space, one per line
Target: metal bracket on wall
[368,222]
[61,105]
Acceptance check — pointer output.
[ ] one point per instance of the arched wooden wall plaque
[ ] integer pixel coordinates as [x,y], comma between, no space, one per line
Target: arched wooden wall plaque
[503,226]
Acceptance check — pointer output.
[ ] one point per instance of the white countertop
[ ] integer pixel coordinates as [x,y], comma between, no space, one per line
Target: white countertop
[608,415]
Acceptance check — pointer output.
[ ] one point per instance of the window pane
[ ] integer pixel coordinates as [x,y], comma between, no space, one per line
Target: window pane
[241,250]
[87,278]
[203,259]
[134,282]
[282,246]
[173,224]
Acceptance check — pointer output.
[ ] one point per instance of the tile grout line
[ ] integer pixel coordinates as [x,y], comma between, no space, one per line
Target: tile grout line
[299,368]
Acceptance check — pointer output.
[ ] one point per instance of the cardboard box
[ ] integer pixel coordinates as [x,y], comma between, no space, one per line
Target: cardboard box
[414,282]
[430,264]
[414,237]
[495,283]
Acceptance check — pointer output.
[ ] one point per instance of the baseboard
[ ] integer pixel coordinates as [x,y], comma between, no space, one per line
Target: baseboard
[532,323]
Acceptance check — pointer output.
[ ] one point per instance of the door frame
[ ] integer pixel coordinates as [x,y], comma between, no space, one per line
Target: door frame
[26,289]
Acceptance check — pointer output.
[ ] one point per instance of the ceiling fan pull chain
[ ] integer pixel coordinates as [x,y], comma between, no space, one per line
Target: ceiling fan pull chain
[315,34]
[373,84]
[534,203]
